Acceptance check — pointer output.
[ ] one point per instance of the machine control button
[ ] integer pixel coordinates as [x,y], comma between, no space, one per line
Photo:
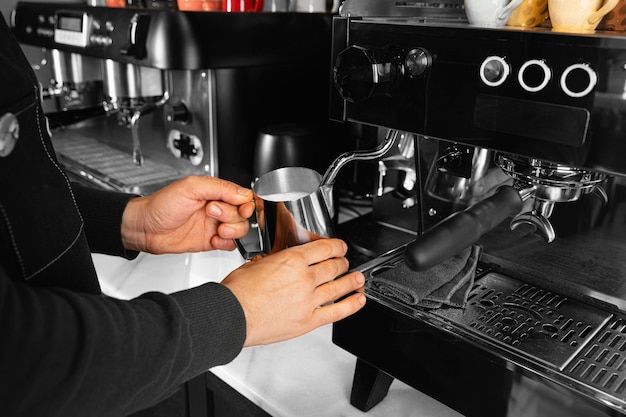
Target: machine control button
[417,62]
[177,113]
[571,83]
[361,73]
[185,146]
[532,80]
[494,71]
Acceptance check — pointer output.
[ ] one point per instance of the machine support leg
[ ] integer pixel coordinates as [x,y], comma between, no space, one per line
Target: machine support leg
[369,387]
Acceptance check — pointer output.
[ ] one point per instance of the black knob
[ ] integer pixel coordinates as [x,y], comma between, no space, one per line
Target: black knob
[177,113]
[417,62]
[361,73]
[137,37]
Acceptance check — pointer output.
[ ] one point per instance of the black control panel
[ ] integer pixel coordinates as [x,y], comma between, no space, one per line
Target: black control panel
[530,92]
[174,40]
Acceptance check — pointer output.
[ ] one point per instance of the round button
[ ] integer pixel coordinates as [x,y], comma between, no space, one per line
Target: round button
[494,71]
[534,83]
[417,62]
[591,79]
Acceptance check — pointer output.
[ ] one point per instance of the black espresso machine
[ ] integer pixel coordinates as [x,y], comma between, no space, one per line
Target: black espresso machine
[139,97]
[542,113]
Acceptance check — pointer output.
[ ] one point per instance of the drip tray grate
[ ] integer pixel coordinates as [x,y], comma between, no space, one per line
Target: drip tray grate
[548,327]
[91,158]
[602,363]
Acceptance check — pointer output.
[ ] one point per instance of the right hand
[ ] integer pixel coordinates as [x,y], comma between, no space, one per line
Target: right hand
[291,292]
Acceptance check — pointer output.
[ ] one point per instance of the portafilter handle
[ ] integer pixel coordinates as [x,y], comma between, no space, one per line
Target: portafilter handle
[462,229]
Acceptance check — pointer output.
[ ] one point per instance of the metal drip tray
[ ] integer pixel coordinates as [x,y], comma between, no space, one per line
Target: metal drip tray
[548,327]
[110,167]
[602,362]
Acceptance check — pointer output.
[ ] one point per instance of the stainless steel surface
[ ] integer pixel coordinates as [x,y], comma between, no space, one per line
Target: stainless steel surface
[333,170]
[290,210]
[106,166]
[573,344]
[432,9]
[182,99]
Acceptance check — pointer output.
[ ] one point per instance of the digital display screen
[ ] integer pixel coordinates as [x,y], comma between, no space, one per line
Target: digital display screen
[71,23]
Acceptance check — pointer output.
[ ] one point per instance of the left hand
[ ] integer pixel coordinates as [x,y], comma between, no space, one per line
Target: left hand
[190,215]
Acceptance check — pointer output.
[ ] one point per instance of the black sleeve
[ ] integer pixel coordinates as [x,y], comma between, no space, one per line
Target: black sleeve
[69,354]
[102,212]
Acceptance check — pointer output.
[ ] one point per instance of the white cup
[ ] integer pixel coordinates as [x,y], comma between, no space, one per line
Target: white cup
[490,13]
[316,6]
[578,16]
[279,5]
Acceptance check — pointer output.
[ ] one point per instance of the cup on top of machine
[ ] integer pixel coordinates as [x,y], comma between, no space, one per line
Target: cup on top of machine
[615,19]
[529,13]
[489,13]
[200,5]
[242,5]
[578,16]
[279,5]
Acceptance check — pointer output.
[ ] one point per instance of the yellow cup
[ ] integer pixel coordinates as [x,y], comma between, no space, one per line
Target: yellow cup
[529,13]
[615,19]
[578,16]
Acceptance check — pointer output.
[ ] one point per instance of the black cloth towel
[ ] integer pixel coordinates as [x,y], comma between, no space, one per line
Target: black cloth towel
[446,284]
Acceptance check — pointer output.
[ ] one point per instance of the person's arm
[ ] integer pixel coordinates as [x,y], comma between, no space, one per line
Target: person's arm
[102,212]
[69,354]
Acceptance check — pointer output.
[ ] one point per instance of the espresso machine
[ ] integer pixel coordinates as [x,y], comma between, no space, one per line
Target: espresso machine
[140,97]
[518,139]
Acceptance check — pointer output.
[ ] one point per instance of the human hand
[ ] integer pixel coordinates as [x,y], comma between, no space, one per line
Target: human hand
[190,215]
[287,294]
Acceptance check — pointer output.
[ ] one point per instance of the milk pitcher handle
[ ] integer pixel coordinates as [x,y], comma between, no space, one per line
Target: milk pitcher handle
[251,239]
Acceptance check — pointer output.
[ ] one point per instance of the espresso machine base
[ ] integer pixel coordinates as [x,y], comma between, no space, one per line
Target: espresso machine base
[469,361]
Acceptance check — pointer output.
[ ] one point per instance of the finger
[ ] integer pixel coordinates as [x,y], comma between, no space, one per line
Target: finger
[224,212]
[222,244]
[246,209]
[211,188]
[328,270]
[233,230]
[320,250]
[339,310]
[338,288]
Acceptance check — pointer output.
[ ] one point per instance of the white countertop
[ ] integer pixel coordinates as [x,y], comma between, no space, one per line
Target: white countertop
[307,376]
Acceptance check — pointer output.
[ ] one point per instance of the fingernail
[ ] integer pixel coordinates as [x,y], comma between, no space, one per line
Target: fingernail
[214,211]
[361,299]
[243,191]
[360,279]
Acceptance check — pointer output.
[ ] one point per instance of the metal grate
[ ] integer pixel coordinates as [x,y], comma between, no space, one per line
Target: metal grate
[111,166]
[535,322]
[602,363]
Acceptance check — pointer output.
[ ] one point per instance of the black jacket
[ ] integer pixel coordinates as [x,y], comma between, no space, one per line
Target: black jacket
[66,349]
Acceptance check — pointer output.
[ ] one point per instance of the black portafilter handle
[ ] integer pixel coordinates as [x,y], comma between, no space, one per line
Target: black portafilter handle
[461,229]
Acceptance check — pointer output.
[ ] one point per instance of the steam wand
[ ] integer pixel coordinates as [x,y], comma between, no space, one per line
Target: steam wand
[145,109]
[331,173]
[333,170]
